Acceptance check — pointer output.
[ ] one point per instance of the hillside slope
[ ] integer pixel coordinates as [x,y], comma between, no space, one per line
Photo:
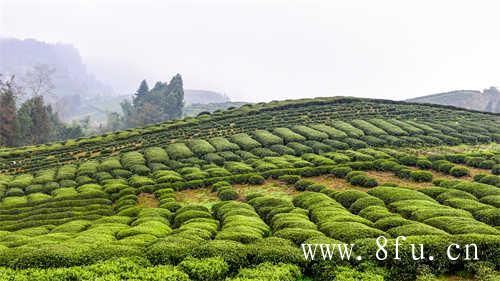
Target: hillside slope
[454,122]
[488,100]
[232,195]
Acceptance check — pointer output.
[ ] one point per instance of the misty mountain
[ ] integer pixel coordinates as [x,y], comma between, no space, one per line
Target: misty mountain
[74,86]
[487,100]
[77,93]
[71,76]
[204,97]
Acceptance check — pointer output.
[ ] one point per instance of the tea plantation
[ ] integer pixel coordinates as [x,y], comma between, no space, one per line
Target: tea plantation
[114,207]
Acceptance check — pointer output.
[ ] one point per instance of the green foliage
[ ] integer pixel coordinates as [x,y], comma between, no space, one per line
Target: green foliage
[178,151]
[421,176]
[200,147]
[204,269]
[458,171]
[269,271]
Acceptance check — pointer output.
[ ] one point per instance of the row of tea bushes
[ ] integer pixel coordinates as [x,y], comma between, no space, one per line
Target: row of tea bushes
[420,207]
[239,222]
[286,221]
[336,130]
[333,219]
[479,199]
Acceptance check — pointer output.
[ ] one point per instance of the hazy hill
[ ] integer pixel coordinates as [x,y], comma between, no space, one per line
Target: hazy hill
[77,92]
[487,100]
[204,97]
[71,76]
[74,86]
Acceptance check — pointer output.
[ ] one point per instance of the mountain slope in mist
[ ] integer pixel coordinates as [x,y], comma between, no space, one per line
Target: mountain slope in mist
[487,100]
[71,76]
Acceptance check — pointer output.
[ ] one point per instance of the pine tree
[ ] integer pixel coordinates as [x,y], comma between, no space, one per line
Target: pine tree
[163,102]
[7,115]
[174,100]
[141,94]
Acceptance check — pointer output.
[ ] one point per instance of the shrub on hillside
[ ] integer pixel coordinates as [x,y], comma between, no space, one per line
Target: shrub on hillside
[458,171]
[421,176]
[496,169]
[205,269]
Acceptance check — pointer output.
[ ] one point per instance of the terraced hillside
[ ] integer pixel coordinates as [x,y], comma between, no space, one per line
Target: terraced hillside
[234,194]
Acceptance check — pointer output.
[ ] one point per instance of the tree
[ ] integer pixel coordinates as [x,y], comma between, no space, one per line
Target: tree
[163,102]
[35,122]
[141,93]
[174,100]
[8,114]
[39,80]
[114,122]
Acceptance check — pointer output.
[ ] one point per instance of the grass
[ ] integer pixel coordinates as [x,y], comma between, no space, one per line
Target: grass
[462,148]
[147,200]
[270,187]
[202,196]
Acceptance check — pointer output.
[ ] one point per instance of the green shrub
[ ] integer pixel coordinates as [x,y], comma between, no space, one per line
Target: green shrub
[200,147]
[110,164]
[364,202]
[245,141]
[391,222]
[347,128]
[178,151]
[493,200]
[156,155]
[269,271]
[217,185]
[204,269]
[299,148]
[455,194]
[301,185]
[496,169]
[341,172]
[423,164]
[152,227]
[309,133]
[346,198]
[487,164]
[288,135]
[332,132]
[363,181]
[222,144]
[171,249]
[458,171]
[275,250]
[421,176]
[460,225]
[289,179]
[393,194]
[368,128]
[182,217]
[256,179]
[442,166]
[282,150]
[491,180]
[316,187]
[297,235]
[415,229]
[350,231]
[228,194]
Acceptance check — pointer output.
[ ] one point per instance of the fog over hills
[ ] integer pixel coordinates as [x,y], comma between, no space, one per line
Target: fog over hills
[77,93]
[487,100]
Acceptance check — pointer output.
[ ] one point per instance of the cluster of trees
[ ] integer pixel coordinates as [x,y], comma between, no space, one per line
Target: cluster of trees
[31,121]
[26,118]
[165,101]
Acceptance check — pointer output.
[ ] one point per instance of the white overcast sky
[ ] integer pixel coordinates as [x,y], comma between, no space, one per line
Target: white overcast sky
[264,50]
